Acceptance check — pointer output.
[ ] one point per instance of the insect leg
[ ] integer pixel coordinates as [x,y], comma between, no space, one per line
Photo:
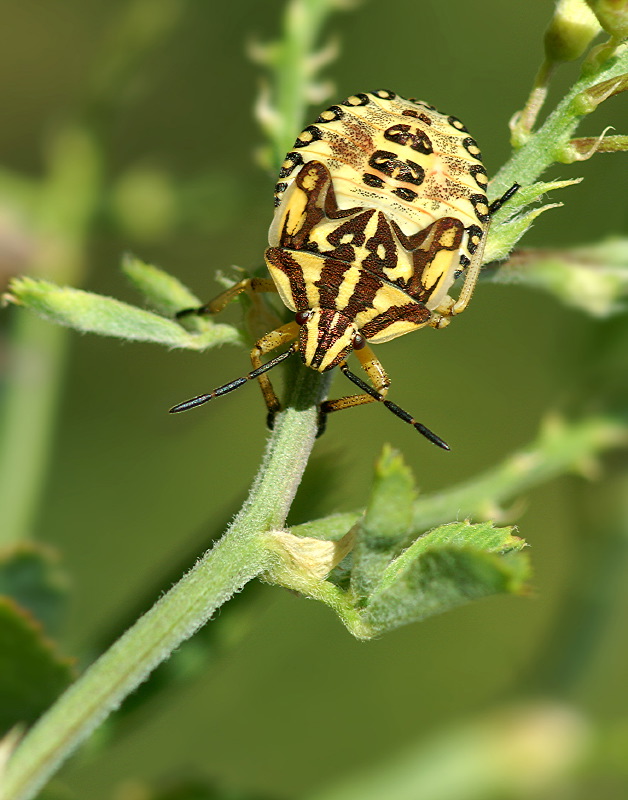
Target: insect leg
[271,341]
[224,298]
[377,376]
[263,346]
[451,307]
[397,410]
[471,278]
[377,392]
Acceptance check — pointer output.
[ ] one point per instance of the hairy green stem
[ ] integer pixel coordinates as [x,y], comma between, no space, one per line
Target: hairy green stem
[560,448]
[303,21]
[241,555]
[546,145]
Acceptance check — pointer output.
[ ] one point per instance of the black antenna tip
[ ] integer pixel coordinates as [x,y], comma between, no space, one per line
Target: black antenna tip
[195,401]
[431,436]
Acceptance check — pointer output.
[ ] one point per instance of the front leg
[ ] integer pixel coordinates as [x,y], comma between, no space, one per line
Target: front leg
[450,307]
[271,341]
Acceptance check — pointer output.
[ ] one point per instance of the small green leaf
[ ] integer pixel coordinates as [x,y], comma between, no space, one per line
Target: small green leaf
[385,523]
[93,313]
[30,575]
[593,279]
[503,235]
[162,291]
[32,675]
[450,566]
[481,536]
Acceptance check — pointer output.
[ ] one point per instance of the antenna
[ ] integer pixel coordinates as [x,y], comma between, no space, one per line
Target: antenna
[229,387]
[394,408]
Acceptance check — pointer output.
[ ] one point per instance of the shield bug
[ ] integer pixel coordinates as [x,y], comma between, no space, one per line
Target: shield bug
[380,206]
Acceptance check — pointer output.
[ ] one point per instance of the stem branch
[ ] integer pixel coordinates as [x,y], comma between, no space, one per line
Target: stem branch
[237,558]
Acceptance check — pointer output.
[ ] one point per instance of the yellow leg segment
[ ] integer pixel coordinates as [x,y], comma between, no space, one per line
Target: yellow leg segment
[271,341]
[376,375]
[224,298]
[450,307]
[471,278]
[266,344]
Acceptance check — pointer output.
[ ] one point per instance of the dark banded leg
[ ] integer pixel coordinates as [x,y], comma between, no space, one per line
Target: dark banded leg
[224,298]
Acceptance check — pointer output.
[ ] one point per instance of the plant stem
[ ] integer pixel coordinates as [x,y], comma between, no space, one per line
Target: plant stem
[302,24]
[544,147]
[36,354]
[559,448]
[66,198]
[240,556]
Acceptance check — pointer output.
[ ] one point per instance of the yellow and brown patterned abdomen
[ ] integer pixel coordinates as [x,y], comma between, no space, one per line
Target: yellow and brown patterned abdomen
[399,156]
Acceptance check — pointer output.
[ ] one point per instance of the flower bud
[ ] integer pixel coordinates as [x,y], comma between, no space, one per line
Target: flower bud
[571,30]
[612,16]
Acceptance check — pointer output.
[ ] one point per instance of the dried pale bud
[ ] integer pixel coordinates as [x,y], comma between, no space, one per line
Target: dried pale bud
[612,16]
[310,558]
[571,30]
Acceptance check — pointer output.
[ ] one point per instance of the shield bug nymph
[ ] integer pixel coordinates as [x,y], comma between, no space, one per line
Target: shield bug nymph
[380,206]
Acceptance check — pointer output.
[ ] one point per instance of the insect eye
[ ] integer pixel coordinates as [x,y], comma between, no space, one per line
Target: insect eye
[301,317]
[359,341]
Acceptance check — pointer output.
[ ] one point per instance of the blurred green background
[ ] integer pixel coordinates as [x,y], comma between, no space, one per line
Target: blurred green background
[133,491]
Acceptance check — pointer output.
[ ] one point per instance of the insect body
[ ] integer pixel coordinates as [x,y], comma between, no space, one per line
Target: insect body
[380,206]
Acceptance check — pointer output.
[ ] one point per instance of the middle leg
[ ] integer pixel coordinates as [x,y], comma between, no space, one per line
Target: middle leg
[376,375]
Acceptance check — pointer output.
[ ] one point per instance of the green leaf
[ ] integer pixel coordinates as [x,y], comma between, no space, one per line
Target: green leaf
[503,235]
[94,313]
[593,278]
[385,523]
[32,675]
[162,291]
[481,535]
[448,567]
[30,574]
